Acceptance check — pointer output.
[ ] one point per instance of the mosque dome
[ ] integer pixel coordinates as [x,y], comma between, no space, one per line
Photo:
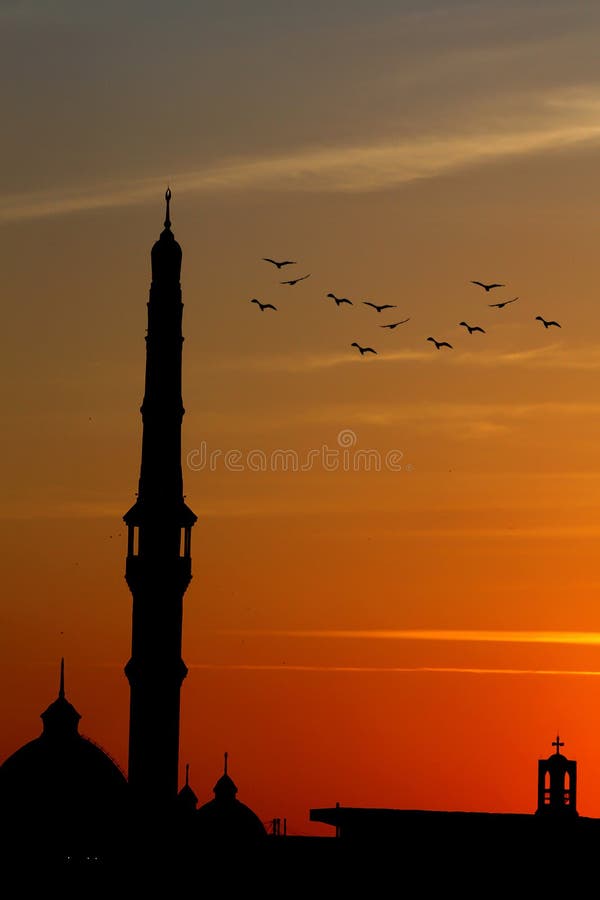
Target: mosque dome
[225,821]
[61,794]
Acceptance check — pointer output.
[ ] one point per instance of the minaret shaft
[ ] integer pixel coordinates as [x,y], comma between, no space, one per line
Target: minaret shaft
[161,481]
[158,566]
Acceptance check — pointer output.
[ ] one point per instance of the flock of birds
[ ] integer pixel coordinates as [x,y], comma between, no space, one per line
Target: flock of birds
[379,308]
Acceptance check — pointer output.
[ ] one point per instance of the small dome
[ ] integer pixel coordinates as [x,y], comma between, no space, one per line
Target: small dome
[231,823]
[225,821]
[558,761]
[166,253]
[225,788]
[186,798]
[61,717]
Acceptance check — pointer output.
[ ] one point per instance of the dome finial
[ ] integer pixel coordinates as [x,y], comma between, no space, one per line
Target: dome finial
[187,774]
[225,763]
[60,717]
[168,199]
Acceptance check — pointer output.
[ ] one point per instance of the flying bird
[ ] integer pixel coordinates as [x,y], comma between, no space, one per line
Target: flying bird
[363,350]
[295,280]
[379,308]
[339,300]
[284,262]
[263,306]
[546,323]
[439,344]
[503,303]
[487,287]
[472,328]
[395,324]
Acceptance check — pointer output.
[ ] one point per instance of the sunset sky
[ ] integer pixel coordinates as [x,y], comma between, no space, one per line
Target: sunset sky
[395,585]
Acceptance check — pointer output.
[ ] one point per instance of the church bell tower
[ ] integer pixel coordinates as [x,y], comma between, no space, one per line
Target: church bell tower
[159,525]
[557,784]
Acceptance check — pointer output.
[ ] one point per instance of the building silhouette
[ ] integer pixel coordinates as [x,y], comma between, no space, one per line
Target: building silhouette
[64,801]
[62,798]
[223,823]
[159,566]
[557,784]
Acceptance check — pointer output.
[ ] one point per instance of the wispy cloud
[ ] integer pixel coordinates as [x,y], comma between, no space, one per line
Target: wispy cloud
[549,356]
[459,420]
[23,510]
[563,122]
[583,638]
[284,667]
[412,412]
[535,532]
[384,165]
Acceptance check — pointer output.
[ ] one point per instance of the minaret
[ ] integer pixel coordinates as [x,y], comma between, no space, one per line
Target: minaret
[158,566]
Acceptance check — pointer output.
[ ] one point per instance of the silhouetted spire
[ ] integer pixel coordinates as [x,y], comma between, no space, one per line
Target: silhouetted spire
[225,788]
[168,200]
[558,744]
[186,798]
[61,688]
[61,719]
[159,524]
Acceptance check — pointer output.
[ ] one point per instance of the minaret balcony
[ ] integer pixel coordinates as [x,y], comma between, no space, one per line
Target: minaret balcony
[156,574]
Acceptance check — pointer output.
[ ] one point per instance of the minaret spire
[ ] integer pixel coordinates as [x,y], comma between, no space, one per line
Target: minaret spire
[225,763]
[159,524]
[168,201]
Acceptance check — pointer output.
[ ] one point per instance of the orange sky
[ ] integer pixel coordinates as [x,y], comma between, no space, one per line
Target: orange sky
[413,635]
